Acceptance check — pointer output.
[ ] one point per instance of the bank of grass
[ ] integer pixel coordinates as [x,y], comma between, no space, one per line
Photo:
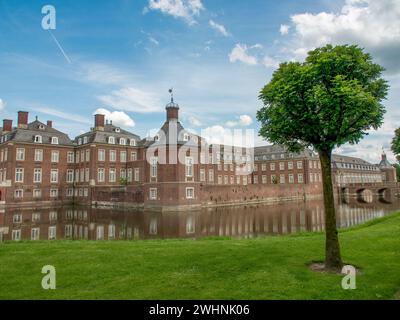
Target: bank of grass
[262,268]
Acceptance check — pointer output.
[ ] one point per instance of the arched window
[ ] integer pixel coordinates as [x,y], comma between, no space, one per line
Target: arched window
[54,140]
[133,142]
[111,140]
[122,141]
[38,139]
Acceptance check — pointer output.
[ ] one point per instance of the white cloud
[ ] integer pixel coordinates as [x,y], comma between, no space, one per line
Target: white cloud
[185,9]
[369,23]
[270,62]
[243,121]
[2,105]
[219,27]
[219,135]
[194,121]
[52,111]
[240,53]
[118,118]
[284,29]
[154,41]
[132,99]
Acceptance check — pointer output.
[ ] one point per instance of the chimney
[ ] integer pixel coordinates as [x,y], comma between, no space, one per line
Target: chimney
[50,123]
[22,119]
[99,122]
[7,125]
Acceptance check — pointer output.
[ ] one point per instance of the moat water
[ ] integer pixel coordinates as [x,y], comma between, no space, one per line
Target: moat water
[77,223]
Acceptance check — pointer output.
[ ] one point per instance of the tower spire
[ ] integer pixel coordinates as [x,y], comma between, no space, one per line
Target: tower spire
[172,94]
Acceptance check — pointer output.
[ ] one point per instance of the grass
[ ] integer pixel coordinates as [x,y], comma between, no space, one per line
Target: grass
[262,268]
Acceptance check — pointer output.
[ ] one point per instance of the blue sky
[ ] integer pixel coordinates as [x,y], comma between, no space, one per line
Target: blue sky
[122,56]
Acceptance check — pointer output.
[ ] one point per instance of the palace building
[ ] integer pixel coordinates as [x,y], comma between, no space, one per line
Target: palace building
[175,169]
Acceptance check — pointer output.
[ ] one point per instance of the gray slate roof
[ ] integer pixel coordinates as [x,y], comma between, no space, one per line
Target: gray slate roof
[97,136]
[34,129]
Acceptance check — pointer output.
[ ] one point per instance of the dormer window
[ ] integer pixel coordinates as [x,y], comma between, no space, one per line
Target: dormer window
[54,140]
[133,142]
[111,140]
[156,138]
[85,140]
[117,130]
[122,141]
[38,139]
[79,141]
[185,137]
[41,126]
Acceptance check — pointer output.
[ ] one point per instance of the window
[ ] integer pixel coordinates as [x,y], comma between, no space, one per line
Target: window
[113,155]
[54,140]
[273,179]
[55,155]
[133,156]
[37,175]
[156,138]
[300,178]
[76,175]
[52,232]
[153,193]
[54,176]
[101,155]
[189,167]
[272,166]
[211,175]
[70,192]
[123,156]
[18,194]
[291,178]
[17,218]
[185,137]
[52,215]
[112,175]
[37,193]
[255,179]
[282,178]
[290,165]
[35,217]
[53,193]
[38,155]
[100,175]
[87,175]
[133,142]
[70,175]
[19,175]
[87,152]
[153,167]
[122,174]
[190,193]
[77,157]
[100,233]
[281,166]
[263,167]
[226,180]
[299,164]
[38,139]
[136,175]
[85,140]
[122,141]
[111,232]
[35,234]
[219,179]
[264,179]
[202,175]
[111,140]
[16,235]
[83,156]
[20,156]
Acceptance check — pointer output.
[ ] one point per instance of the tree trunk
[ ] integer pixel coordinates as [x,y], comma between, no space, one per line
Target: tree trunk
[333,259]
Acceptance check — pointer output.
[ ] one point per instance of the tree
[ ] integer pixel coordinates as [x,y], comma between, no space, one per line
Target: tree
[396,144]
[331,99]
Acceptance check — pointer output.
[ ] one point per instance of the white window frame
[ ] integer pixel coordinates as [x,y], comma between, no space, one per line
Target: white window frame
[153,193]
[189,193]
[38,155]
[20,154]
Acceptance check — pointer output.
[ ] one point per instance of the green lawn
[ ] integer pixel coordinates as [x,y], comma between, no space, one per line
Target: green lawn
[262,268]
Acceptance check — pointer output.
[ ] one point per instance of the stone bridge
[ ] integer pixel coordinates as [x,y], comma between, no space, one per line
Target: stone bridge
[369,192]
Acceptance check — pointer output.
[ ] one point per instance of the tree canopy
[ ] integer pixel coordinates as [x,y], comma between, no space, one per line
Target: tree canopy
[396,143]
[332,98]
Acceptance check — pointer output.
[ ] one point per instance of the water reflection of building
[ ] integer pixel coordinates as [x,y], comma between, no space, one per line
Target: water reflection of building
[244,221]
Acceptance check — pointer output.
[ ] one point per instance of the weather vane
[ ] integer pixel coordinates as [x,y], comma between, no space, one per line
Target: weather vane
[172,95]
